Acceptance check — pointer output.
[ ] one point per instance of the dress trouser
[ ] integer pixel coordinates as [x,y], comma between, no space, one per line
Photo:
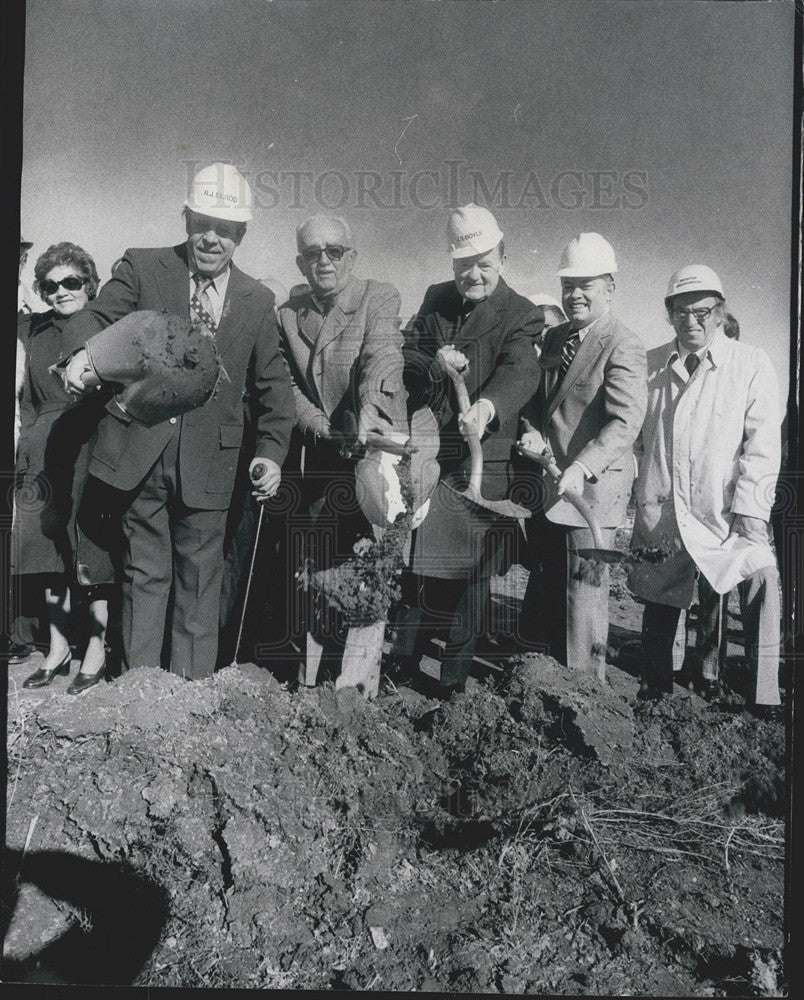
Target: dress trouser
[565,611]
[761,612]
[453,609]
[169,545]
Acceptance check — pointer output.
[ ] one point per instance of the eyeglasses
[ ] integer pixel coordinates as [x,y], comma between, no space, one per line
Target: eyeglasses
[701,315]
[334,252]
[72,283]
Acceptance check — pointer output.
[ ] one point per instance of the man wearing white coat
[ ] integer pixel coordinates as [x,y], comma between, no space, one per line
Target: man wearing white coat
[711,453]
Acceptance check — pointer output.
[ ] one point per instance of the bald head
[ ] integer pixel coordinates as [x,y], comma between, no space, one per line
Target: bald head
[331,229]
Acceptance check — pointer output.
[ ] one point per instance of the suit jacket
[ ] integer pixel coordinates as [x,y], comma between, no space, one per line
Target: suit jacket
[353,358]
[247,341]
[497,338]
[595,415]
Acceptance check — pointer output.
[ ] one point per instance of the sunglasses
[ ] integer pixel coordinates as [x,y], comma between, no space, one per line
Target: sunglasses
[334,252]
[72,283]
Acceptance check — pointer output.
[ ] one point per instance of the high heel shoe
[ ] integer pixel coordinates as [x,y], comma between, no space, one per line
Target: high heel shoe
[41,678]
[83,682]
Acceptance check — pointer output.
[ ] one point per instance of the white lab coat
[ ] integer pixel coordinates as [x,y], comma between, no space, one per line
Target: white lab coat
[711,449]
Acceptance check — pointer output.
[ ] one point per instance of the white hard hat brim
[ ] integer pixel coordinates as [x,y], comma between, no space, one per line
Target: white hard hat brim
[221,212]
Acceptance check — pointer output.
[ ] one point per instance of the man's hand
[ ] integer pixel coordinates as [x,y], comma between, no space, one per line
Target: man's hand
[371,420]
[78,377]
[448,355]
[533,440]
[752,529]
[572,479]
[476,419]
[267,480]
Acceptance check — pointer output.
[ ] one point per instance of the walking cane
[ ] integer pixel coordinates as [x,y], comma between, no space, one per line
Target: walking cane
[256,473]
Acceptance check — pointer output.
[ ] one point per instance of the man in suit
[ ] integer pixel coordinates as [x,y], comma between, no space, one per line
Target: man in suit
[494,328]
[588,412]
[175,479]
[341,338]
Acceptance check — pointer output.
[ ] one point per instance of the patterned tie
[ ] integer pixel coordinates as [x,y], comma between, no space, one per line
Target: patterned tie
[691,362]
[201,307]
[568,352]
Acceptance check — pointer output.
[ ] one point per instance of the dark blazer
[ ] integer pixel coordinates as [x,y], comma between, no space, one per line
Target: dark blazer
[497,338]
[247,341]
[594,416]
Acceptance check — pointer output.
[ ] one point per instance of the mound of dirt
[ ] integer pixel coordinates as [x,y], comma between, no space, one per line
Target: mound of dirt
[540,837]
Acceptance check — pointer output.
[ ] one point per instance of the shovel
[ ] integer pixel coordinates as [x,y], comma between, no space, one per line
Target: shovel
[599,552]
[472,495]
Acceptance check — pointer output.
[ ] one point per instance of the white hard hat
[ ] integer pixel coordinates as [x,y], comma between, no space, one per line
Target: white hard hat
[471,230]
[694,278]
[587,256]
[542,299]
[221,191]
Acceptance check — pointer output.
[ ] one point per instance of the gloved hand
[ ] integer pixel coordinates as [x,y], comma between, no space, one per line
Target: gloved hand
[477,418]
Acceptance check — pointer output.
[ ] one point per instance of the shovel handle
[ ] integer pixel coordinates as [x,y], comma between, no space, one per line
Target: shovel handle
[473,439]
[548,463]
[383,443]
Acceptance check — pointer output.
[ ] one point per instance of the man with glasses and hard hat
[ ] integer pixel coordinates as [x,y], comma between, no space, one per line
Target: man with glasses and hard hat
[711,448]
[587,411]
[175,479]
[480,320]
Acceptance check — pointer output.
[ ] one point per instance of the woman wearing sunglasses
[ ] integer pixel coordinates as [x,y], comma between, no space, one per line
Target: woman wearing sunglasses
[51,469]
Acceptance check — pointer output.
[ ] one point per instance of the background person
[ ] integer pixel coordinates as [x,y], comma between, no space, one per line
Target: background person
[51,467]
[707,507]
[588,410]
[174,480]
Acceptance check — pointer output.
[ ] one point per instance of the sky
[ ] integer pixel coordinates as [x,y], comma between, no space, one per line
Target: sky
[665,126]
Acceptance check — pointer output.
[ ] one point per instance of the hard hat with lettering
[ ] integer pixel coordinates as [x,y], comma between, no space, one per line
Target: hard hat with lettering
[542,299]
[694,278]
[221,191]
[471,230]
[587,256]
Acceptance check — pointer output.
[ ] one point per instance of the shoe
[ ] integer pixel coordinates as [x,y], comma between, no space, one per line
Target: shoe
[431,688]
[19,652]
[647,692]
[83,682]
[767,713]
[709,690]
[41,678]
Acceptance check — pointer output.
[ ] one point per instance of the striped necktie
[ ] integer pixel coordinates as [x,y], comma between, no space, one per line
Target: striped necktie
[568,352]
[201,307]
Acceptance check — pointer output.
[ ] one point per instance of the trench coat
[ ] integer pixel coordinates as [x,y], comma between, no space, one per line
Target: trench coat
[711,449]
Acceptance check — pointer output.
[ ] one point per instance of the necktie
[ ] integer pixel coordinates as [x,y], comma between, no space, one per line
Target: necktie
[201,307]
[568,352]
[691,362]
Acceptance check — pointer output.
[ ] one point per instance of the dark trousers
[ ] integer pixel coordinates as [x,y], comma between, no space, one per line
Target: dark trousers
[759,603]
[453,609]
[170,547]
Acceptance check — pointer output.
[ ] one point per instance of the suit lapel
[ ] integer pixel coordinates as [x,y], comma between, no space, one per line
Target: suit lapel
[345,305]
[173,281]
[585,357]
[235,309]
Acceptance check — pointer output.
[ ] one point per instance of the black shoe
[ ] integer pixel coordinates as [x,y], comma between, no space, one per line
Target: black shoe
[19,652]
[647,692]
[709,690]
[41,678]
[83,682]
[767,713]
